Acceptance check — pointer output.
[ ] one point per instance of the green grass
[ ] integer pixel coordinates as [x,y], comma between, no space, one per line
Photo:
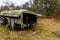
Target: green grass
[6,34]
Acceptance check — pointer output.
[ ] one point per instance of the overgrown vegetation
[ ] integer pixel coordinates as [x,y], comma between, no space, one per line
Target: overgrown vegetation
[45,27]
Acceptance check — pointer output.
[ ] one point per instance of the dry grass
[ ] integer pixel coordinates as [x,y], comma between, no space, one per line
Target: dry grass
[44,26]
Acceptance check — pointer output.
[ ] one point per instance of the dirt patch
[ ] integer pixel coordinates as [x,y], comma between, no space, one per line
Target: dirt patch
[49,26]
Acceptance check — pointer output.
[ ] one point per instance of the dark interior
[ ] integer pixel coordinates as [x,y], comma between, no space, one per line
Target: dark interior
[29,18]
[17,27]
[5,21]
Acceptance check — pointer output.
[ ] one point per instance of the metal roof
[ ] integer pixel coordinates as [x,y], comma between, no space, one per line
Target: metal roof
[17,12]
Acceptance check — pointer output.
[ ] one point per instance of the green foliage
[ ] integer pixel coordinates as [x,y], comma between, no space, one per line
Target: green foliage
[35,2]
[38,6]
[50,10]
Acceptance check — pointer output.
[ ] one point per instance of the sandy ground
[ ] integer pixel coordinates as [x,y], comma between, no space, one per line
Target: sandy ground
[44,26]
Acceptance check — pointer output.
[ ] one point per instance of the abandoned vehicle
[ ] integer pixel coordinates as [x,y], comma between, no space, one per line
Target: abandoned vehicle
[19,19]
